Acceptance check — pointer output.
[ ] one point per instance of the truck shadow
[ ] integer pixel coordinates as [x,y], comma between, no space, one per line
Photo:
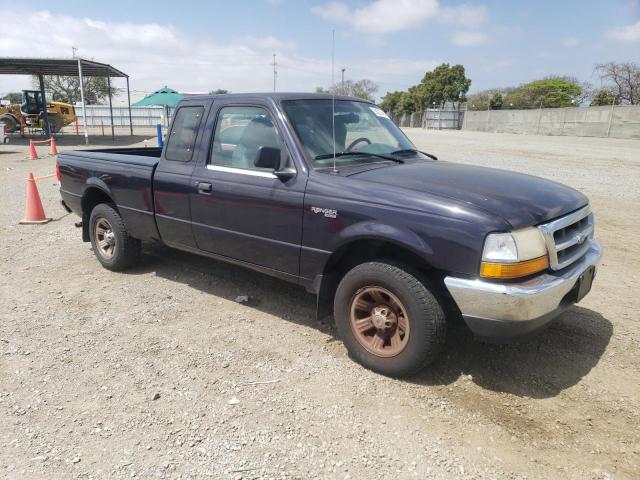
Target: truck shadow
[266,294]
[540,367]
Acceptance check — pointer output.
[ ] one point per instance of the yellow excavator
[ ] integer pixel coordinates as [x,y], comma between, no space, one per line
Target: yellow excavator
[31,113]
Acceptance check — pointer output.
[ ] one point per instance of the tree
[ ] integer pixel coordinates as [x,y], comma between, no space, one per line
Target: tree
[391,102]
[586,94]
[365,89]
[219,91]
[67,89]
[408,102]
[548,93]
[13,97]
[495,103]
[443,84]
[485,100]
[604,97]
[479,101]
[623,79]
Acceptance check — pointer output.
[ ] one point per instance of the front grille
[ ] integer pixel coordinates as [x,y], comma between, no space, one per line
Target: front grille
[568,237]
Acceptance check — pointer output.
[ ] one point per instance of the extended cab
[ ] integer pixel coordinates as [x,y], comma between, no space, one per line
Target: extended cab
[326,192]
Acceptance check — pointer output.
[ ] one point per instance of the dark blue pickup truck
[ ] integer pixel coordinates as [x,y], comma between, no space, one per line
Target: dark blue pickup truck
[328,193]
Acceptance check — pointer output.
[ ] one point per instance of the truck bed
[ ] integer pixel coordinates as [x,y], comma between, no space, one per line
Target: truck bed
[124,174]
[136,155]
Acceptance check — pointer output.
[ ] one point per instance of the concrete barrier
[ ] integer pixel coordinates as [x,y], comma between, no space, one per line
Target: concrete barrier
[619,121]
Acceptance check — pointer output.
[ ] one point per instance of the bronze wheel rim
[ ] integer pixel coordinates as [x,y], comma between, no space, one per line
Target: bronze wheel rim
[105,238]
[379,321]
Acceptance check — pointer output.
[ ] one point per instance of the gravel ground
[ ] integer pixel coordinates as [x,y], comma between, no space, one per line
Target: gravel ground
[159,373]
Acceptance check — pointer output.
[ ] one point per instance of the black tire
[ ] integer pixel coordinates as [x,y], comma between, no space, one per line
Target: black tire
[10,122]
[126,249]
[425,317]
[55,123]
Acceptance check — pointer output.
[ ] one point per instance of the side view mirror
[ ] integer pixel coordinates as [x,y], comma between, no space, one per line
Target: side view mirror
[268,157]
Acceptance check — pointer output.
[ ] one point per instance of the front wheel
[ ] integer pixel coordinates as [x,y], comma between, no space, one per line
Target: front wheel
[388,319]
[113,246]
[9,122]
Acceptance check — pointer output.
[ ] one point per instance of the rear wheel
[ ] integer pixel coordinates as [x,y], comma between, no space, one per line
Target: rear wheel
[388,319]
[55,123]
[113,246]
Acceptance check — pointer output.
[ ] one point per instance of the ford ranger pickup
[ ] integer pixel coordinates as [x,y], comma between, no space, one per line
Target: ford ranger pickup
[326,192]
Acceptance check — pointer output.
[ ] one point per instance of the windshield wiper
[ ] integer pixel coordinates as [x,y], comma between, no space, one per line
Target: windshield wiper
[413,150]
[342,154]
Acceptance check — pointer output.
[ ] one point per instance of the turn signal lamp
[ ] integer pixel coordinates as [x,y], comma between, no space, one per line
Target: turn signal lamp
[515,254]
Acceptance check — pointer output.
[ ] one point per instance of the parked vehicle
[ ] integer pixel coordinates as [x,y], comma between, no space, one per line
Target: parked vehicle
[329,194]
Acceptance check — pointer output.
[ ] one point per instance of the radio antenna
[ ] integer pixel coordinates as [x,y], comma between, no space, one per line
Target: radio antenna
[333,99]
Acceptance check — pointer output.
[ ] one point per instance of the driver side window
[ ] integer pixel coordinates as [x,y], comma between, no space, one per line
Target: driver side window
[239,135]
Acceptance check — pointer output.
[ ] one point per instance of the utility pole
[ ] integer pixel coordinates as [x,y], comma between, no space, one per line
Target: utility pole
[343,92]
[275,72]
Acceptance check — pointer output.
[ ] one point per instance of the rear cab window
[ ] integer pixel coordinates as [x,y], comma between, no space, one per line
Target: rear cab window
[183,133]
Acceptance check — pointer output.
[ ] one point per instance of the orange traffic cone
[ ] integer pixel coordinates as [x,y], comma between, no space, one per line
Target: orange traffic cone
[54,147]
[33,212]
[33,154]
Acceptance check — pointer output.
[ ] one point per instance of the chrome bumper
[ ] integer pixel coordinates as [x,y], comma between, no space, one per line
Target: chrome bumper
[511,309]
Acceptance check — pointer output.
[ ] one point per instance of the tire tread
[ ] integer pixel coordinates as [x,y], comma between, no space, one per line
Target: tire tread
[433,318]
[129,248]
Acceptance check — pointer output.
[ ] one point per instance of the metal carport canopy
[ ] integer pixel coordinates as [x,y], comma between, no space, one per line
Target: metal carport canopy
[65,67]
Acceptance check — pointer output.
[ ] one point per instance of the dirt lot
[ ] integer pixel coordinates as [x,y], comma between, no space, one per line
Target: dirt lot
[84,352]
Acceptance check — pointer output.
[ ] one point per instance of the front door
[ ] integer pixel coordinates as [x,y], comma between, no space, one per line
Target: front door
[242,211]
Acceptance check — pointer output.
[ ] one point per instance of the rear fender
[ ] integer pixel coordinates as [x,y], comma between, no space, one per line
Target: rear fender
[95,191]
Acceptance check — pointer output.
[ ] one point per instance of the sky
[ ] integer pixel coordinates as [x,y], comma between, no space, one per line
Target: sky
[200,46]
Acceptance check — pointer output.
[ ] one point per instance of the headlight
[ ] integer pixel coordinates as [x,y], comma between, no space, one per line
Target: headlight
[516,254]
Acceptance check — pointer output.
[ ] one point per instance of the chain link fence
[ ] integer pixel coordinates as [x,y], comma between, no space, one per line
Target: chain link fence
[432,118]
[99,115]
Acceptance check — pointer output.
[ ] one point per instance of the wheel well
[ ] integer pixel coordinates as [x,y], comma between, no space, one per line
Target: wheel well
[92,197]
[361,251]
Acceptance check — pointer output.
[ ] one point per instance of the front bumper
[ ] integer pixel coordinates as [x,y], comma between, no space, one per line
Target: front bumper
[505,311]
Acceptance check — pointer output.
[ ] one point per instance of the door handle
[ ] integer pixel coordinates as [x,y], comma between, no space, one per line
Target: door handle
[205,187]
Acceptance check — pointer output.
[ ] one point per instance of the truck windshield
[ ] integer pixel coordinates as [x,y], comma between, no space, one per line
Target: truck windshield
[363,132]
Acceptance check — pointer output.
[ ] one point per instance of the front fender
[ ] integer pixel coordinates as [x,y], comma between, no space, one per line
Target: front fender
[373,230]
[324,284]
